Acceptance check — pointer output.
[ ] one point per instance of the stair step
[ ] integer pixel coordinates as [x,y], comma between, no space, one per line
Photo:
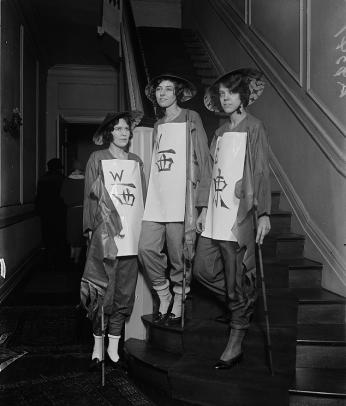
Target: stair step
[166,338]
[291,273]
[193,379]
[276,195]
[320,356]
[275,274]
[194,46]
[149,364]
[321,346]
[302,263]
[317,387]
[203,65]
[282,307]
[191,36]
[305,277]
[303,272]
[317,296]
[328,334]
[200,57]
[196,337]
[283,246]
[208,72]
[280,221]
[319,306]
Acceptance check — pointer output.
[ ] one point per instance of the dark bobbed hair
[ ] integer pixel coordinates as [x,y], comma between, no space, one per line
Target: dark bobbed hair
[107,135]
[235,84]
[178,91]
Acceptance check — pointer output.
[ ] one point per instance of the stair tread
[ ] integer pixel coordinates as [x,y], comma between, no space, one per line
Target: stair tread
[322,334]
[316,295]
[303,263]
[148,354]
[280,213]
[320,381]
[194,379]
[294,263]
[286,236]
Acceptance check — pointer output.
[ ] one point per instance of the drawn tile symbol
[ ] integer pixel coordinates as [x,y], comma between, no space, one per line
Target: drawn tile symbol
[219,186]
[126,197]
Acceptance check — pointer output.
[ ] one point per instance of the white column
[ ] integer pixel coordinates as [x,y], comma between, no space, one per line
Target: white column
[142,146]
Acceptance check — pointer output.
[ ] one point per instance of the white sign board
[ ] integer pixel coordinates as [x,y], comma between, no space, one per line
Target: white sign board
[228,169]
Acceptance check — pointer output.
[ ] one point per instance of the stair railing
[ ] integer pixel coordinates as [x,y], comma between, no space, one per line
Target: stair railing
[133,62]
[141,144]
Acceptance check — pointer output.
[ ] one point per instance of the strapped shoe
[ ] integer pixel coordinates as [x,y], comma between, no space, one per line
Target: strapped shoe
[95,364]
[159,318]
[172,320]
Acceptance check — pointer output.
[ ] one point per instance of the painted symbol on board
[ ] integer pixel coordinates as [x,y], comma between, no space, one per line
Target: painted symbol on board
[219,186]
[125,197]
[165,161]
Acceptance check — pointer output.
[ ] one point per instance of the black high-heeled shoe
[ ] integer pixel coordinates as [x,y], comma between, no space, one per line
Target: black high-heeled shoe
[95,364]
[229,363]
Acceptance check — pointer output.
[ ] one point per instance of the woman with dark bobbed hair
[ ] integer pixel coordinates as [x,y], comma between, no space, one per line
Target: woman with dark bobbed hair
[113,208]
[240,188]
[175,192]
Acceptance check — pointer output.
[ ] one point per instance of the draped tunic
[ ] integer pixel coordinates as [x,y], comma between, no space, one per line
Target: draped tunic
[101,217]
[253,189]
[198,173]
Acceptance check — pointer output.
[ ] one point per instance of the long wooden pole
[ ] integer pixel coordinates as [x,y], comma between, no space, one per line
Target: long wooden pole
[260,260]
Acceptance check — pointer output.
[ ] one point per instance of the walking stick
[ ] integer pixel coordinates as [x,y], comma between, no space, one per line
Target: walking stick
[260,260]
[264,294]
[103,380]
[183,296]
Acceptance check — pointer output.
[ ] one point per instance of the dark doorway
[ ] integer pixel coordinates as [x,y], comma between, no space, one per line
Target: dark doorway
[79,143]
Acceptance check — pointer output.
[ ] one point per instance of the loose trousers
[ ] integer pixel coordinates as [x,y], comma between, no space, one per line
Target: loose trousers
[126,272]
[152,257]
[218,265]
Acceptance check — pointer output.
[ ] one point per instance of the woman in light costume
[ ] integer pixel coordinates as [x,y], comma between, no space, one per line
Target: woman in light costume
[108,281]
[227,265]
[175,192]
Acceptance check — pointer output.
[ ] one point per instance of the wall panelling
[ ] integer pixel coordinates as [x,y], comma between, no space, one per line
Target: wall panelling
[326,58]
[279,25]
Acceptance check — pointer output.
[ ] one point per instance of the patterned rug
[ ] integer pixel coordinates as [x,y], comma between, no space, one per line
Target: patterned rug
[46,329]
[75,389]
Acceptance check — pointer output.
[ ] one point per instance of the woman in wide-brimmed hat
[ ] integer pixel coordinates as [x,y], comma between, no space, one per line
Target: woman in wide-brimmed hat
[109,279]
[225,256]
[180,160]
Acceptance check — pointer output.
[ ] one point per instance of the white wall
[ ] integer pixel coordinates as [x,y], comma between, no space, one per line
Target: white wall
[81,94]
[142,146]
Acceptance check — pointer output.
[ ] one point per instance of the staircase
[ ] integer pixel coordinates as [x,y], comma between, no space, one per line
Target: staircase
[165,50]
[307,322]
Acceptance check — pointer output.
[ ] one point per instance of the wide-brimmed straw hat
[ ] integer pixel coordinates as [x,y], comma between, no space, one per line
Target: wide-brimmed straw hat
[189,89]
[134,116]
[252,77]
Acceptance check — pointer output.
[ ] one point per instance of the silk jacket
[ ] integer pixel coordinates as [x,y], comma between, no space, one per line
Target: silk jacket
[198,173]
